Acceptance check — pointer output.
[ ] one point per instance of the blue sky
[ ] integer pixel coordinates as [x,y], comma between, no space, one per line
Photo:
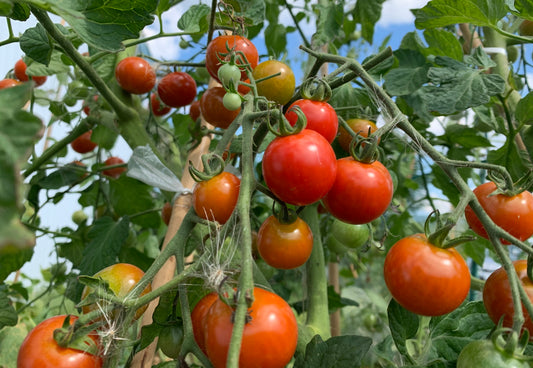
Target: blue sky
[396,21]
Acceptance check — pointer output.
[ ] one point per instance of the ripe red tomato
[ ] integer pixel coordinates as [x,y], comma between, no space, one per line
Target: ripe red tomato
[361,192]
[121,277]
[216,198]
[359,126]
[158,108]
[425,279]
[278,89]
[20,73]
[321,117]
[166,212]
[269,338]
[497,296]
[194,110]
[135,75]
[39,349]
[299,168]
[8,82]
[213,110]
[116,171]
[199,317]
[513,214]
[284,246]
[177,89]
[83,143]
[218,49]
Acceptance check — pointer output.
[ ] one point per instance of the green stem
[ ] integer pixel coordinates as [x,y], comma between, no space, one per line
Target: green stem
[317,282]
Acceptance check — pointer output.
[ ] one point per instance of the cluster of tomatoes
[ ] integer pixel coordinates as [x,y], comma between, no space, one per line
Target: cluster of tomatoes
[19,72]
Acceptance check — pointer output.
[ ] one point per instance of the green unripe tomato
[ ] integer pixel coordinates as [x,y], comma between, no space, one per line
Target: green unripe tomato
[512,53]
[229,75]
[70,100]
[232,101]
[351,236]
[336,246]
[483,353]
[79,217]
[170,341]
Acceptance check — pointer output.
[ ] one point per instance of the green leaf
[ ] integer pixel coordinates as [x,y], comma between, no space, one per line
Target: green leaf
[367,13]
[276,39]
[164,5]
[8,315]
[352,102]
[195,19]
[105,24]
[456,87]
[10,340]
[509,156]
[104,136]
[106,238]
[465,136]
[335,301]
[442,181]
[36,44]
[441,13]
[20,12]
[403,325]
[329,22]
[16,247]
[345,351]
[6,7]
[409,76]
[252,10]
[524,109]
[475,249]
[56,66]
[122,191]
[443,43]
[64,176]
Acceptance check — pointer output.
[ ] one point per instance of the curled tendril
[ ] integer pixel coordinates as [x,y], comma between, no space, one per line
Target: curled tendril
[213,166]
[316,89]
[285,128]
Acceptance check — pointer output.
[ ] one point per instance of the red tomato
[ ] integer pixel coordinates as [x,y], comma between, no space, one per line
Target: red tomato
[158,108]
[216,198]
[361,193]
[114,172]
[425,279]
[321,117]
[213,110]
[39,349]
[86,108]
[166,213]
[135,75]
[121,277]
[513,214]
[269,338]
[497,296]
[284,246]
[299,168]
[199,317]
[20,73]
[218,49]
[359,126]
[177,89]
[194,111]
[8,82]
[83,143]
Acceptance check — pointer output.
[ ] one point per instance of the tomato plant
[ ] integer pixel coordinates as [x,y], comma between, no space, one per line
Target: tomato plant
[284,245]
[8,82]
[361,191]
[20,73]
[359,126]
[39,349]
[425,279]
[321,117]
[199,317]
[121,278]
[269,338]
[114,172]
[483,353]
[83,143]
[513,214]
[158,108]
[215,199]
[177,89]
[213,109]
[497,295]
[279,88]
[135,75]
[299,168]
[218,50]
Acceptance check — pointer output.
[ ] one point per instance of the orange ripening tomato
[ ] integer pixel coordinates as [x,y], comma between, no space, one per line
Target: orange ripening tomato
[83,143]
[135,75]
[20,73]
[199,316]
[116,171]
[359,126]
[8,82]
[216,198]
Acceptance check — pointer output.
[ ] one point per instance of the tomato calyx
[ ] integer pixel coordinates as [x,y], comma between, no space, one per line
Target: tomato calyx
[316,89]
[285,128]
[438,237]
[512,344]
[75,336]
[284,214]
[505,185]
[213,165]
